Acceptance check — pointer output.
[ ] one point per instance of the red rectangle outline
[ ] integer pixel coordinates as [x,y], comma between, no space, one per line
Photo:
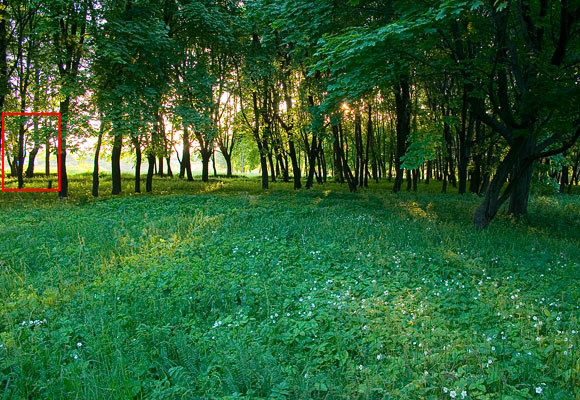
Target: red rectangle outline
[58,147]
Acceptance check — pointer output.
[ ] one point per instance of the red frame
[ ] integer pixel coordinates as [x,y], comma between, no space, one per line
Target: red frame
[58,147]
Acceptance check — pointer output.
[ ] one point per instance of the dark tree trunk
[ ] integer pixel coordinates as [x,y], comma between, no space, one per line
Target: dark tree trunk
[47,158]
[169,170]
[116,163]
[137,144]
[205,157]
[213,163]
[521,187]
[264,167]
[20,157]
[228,159]
[96,160]
[337,170]
[160,166]
[312,162]
[31,159]
[403,109]
[186,156]
[564,178]
[64,107]
[409,180]
[150,172]
[429,173]
[295,164]
[415,179]
[271,162]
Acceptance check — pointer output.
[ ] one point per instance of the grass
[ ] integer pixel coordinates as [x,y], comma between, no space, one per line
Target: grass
[220,290]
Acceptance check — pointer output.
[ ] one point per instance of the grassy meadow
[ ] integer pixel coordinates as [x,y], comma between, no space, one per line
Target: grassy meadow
[224,291]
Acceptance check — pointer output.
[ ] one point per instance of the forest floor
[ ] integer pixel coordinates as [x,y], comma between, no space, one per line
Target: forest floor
[226,291]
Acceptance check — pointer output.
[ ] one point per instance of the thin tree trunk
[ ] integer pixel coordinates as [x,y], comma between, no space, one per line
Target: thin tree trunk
[213,163]
[96,160]
[186,156]
[137,145]
[116,163]
[150,172]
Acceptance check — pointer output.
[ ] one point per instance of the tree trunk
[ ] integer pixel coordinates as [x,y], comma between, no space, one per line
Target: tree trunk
[402,105]
[116,163]
[517,162]
[150,172]
[312,162]
[47,158]
[96,160]
[228,158]
[20,157]
[186,156]
[31,159]
[160,166]
[564,178]
[271,162]
[205,157]
[337,170]
[137,145]
[64,107]
[521,191]
[264,168]
[213,163]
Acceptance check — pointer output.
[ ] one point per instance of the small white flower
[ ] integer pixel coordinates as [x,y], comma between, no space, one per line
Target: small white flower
[453,394]
[79,344]
[463,394]
[445,390]
[539,390]
[360,367]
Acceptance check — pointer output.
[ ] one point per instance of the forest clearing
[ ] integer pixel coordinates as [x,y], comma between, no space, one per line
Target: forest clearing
[232,292]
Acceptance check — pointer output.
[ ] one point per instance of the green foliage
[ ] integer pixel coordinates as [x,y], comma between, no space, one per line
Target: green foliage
[237,294]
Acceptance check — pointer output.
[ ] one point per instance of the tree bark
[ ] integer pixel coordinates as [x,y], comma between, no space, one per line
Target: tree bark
[31,159]
[186,156]
[116,163]
[403,109]
[96,160]
[137,145]
[521,191]
[64,108]
[205,157]
[150,172]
